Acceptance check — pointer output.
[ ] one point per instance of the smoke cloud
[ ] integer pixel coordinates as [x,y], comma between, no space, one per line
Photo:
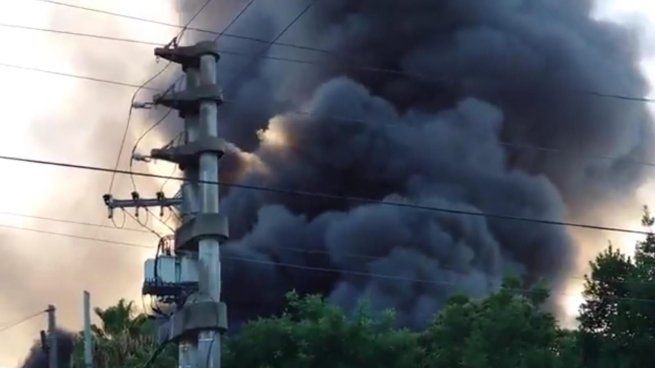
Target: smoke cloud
[430,102]
[38,357]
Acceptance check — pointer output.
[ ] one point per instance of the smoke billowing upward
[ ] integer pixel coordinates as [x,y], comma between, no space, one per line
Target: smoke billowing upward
[38,357]
[433,90]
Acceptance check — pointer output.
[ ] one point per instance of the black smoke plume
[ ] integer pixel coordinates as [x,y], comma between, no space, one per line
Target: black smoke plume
[38,357]
[426,101]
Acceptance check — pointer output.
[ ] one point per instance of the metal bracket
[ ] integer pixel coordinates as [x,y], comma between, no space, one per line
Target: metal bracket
[196,317]
[188,154]
[206,225]
[188,56]
[138,202]
[189,100]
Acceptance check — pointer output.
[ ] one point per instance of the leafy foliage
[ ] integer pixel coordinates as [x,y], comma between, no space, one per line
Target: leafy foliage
[617,320]
[123,340]
[312,333]
[508,329]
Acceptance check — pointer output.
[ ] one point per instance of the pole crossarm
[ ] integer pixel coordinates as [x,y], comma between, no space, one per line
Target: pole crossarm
[137,202]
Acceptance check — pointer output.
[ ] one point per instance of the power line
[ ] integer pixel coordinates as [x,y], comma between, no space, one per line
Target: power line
[195,29]
[73,236]
[424,78]
[388,277]
[145,225]
[265,49]
[81,34]
[330,196]
[372,257]
[234,20]
[350,119]
[300,267]
[512,145]
[22,320]
[77,76]
[276,58]
[222,51]
[143,86]
[179,36]
[66,221]
[141,137]
[157,123]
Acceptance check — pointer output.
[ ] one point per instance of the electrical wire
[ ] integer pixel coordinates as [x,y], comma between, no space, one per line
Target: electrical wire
[162,187]
[345,120]
[155,354]
[186,26]
[222,51]
[122,225]
[22,320]
[135,147]
[138,221]
[320,50]
[372,69]
[129,120]
[350,119]
[520,146]
[302,267]
[285,248]
[81,34]
[265,49]
[372,257]
[388,277]
[141,137]
[161,221]
[73,236]
[66,221]
[337,197]
[209,350]
[77,76]
[172,25]
[233,21]
[175,41]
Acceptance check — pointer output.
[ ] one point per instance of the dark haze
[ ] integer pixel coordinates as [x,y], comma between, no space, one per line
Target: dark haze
[460,78]
[38,358]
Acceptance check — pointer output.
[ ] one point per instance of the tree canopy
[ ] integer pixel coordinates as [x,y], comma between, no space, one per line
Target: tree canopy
[509,328]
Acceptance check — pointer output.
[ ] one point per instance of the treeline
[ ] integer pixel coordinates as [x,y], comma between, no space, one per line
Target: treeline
[507,329]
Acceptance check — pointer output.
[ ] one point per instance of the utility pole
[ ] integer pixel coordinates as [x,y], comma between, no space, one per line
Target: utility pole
[52,338]
[209,342]
[200,318]
[88,344]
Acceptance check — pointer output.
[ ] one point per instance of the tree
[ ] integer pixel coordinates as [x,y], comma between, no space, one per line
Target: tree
[312,333]
[124,339]
[507,329]
[617,320]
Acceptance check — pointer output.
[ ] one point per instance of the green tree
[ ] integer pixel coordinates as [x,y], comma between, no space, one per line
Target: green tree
[507,329]
[312,333]
[617,320]
[125,339]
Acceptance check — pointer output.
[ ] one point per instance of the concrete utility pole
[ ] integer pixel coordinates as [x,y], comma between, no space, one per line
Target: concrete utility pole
[88,344]
[209,342]
[52,338]
[197,325]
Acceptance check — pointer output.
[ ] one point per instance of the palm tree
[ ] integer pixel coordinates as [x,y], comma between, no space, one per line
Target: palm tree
[125,339]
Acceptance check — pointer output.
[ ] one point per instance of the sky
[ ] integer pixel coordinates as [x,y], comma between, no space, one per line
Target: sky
[71,120]
[64,119]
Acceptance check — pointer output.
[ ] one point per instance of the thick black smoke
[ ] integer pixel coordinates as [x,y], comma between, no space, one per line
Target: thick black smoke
[432,90]
[38,358]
